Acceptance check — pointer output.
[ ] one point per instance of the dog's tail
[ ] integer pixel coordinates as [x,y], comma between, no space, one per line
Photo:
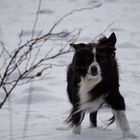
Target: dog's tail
[69,119]
[111,120]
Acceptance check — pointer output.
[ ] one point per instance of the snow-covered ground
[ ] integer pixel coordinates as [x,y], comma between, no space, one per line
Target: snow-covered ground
[50,107]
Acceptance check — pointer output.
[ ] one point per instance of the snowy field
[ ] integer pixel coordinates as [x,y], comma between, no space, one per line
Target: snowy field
[49,106]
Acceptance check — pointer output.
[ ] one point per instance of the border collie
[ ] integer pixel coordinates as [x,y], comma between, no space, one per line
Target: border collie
[93,80]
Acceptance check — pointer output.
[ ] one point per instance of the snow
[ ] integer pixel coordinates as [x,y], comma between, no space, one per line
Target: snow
[49,104]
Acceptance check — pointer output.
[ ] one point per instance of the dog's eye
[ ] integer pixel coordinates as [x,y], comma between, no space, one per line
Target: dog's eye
[88,59]
[101,58]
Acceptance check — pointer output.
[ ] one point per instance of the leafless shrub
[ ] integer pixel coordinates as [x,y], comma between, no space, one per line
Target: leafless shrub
[29,61]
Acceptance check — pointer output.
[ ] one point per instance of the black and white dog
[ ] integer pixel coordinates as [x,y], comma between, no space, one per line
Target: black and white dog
[92,81]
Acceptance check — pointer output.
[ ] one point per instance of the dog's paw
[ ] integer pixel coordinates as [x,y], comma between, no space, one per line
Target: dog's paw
[129,134]
[76,130]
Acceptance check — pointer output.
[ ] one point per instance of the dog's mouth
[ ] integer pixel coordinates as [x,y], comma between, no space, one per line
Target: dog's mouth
[94,74]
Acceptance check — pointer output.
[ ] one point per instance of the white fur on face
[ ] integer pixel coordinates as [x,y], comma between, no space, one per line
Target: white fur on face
[94,63]
[87,83]
[94,52]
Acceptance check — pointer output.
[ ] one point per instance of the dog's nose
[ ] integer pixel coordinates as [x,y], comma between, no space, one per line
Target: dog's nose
[93,70]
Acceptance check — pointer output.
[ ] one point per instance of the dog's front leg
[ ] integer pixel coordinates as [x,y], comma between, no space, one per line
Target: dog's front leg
[76,129]
[77,119]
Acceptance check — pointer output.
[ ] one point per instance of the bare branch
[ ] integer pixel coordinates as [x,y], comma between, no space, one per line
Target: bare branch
[36,19]
[102,33]
[28,61]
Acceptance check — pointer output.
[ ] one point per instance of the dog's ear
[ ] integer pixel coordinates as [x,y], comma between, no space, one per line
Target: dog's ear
[78,46]
[73,45]
[111,41]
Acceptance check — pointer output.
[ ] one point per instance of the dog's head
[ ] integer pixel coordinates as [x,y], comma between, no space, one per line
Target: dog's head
[95,60]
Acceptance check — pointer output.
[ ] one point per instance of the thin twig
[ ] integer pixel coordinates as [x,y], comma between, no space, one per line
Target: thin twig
[36,19]
[102,33]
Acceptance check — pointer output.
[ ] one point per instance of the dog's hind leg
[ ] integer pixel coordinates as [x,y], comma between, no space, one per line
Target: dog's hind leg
[116,101]
[93,119]
[122,122]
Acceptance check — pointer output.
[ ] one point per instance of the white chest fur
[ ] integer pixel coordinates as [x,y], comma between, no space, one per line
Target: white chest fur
[85,86]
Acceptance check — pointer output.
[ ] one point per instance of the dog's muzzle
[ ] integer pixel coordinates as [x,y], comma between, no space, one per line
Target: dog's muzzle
[93,70]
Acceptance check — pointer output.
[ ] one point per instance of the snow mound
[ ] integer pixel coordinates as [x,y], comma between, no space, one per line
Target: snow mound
[35,89]
[36,97]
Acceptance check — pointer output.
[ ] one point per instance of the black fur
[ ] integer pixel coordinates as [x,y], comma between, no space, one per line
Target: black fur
[108,86]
